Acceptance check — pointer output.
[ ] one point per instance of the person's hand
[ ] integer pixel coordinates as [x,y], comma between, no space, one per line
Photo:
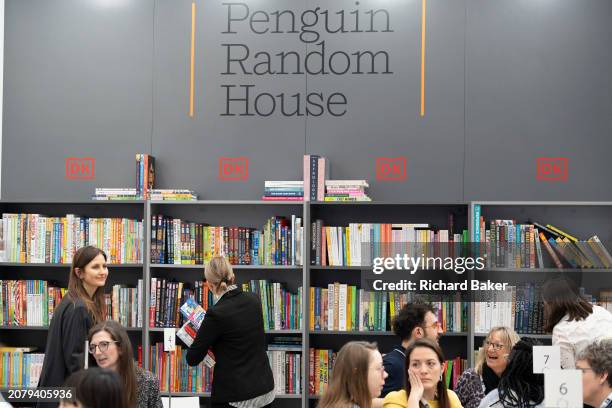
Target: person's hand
[416,387]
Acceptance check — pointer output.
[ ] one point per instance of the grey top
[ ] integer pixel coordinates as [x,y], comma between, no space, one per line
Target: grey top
[147,393]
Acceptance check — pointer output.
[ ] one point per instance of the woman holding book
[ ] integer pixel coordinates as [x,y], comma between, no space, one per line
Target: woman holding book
[573,321]
[491,362]
[82,307]
[111,347]
[518,386]
[233,328]
[424,383]
[357,377]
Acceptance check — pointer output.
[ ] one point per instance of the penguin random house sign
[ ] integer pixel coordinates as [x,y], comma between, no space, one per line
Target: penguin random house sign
[247,66]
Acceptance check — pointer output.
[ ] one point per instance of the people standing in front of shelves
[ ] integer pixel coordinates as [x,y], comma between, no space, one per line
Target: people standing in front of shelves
[357,377]
[111,347]
[424,385]
[94,388]
[233,328]
[518,386]
[81,308]
[414,321]
[573,321]
[491,362]
[595,362]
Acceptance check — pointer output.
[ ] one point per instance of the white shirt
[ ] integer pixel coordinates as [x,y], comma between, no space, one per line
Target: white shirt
[573,335]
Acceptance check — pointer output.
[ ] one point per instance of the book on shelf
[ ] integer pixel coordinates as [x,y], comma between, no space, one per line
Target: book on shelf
[451,312]
[145,174]
[346,190]
[359,243]
[316,171]
[277,190]
[28,302]
[282,310]
[172,194]
[124,304]
[509,244]
[175,375]
[102,194]
[20,367]
[176,241]
[36,238]
[285,356]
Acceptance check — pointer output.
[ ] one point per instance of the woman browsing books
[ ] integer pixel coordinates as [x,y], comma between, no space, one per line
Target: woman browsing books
[79,310]
[233,328]
[111,347]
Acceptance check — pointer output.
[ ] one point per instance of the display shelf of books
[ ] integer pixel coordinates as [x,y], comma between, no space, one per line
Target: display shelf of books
[262,240]
[37,241]
[525,243]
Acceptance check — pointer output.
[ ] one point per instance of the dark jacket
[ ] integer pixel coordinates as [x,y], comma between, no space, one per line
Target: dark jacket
[394,363]
[233,328]
[65,349]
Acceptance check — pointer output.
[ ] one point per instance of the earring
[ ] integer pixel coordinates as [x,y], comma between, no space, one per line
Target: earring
[440,377]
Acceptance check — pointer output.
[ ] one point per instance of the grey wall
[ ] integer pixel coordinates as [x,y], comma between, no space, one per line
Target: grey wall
[506,82]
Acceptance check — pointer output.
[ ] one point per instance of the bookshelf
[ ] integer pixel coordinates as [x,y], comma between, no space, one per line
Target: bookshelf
[581,218]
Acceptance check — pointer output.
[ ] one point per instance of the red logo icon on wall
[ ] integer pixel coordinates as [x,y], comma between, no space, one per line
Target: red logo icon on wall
[80,168]
[233,168]
[391,168]
[551,168]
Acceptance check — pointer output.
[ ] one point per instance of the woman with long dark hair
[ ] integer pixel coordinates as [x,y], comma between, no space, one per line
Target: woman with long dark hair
[518,387]
[81,308]
[357,377]
[424,383]
[572,320]
[111,347]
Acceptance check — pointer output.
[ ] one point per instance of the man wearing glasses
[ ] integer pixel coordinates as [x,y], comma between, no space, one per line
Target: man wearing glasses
[414,321]
[595,362]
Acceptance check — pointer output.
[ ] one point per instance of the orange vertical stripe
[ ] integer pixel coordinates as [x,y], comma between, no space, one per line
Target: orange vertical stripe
[423,15]
[192,66]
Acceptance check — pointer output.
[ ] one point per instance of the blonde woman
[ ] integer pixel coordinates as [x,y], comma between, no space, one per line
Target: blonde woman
[357,377]
[233,328]
[491,362]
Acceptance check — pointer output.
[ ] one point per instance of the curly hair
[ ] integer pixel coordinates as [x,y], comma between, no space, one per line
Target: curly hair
[410,316]
[518,386]
[599,356]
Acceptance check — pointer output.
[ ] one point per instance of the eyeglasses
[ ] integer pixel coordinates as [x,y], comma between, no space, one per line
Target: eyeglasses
[102,346]
[496,346]
[585,369]
[435,325]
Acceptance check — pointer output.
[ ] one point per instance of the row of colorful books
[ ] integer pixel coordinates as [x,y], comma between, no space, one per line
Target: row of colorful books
[508,243]
[359,243]
[124,304]
[155,194]
[20,367]
[283,190]
[32,303]
[285,356]
[345,308]
[282,310]
[175,241]
[28,302]
[36,238]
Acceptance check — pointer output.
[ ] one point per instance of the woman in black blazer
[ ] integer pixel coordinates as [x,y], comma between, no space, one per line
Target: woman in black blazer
[233,328]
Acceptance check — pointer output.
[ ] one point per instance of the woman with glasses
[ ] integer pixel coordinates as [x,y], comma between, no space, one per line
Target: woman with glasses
[424,383]
[111,347]
[573,321]
[491,362]
[595,362]
[357,377]
[82,307]
[518,386]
